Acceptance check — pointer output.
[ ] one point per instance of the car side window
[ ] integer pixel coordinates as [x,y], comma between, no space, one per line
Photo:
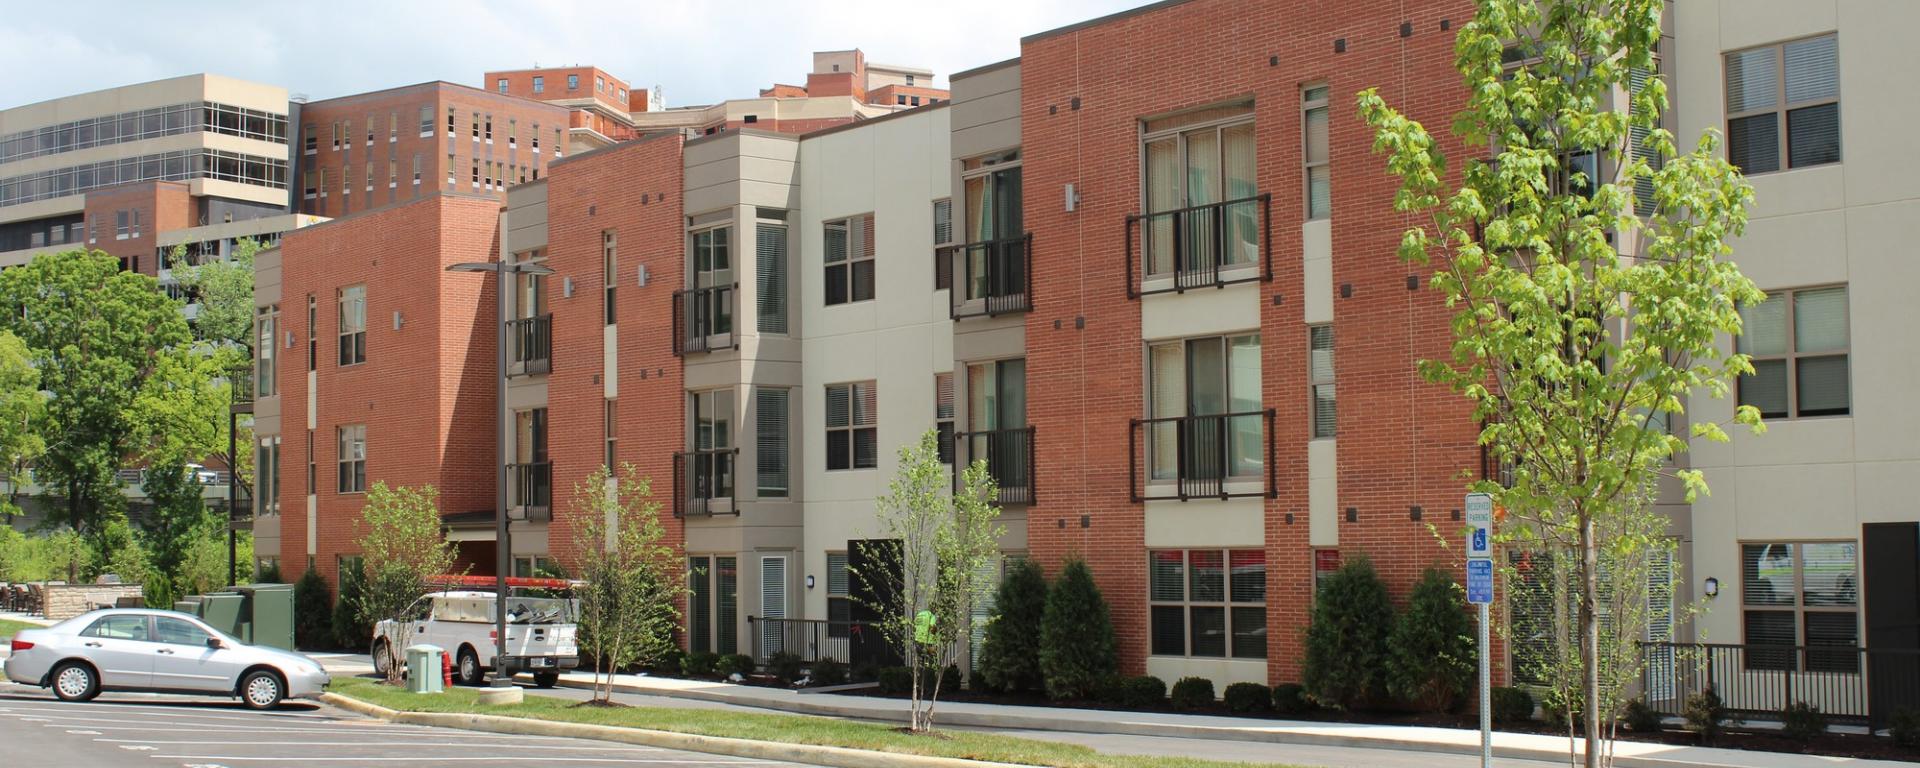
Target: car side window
[119,628]
[179,632]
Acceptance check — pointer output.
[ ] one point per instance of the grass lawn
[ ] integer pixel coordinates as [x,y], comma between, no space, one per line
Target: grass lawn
[788,729]
[8,627]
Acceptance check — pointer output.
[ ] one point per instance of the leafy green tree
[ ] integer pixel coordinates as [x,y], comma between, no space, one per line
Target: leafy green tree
[1077,649]
[21,408]
[1575,355]
[404,547]
[125,382]
[1010,652]
[178,518]
[633,576]
[312,612]
[223,327]
[1431,658]
[1347,638]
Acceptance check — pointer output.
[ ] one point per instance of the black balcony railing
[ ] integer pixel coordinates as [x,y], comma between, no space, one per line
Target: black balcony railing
[700,478]
[532,344]
[990,278]
[703,319]
[1215,456]
[815,639]
[533,489]
[1849,684]
[1009,455]
[1203,246]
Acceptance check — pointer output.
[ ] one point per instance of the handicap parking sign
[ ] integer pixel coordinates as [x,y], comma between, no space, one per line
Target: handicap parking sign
[1480,581]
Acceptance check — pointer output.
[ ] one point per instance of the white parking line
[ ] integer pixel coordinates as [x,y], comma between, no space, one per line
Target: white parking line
[529,759]
[456,745]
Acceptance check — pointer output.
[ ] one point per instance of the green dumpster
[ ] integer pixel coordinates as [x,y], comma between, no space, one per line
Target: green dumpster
[225,611]
[268,619]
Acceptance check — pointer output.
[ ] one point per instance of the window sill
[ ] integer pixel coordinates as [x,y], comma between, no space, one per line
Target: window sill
[1770,174]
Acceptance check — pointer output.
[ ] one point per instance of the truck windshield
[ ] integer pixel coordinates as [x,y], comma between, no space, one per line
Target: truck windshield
[539,610]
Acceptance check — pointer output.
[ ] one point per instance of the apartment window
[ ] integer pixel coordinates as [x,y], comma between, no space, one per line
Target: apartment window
[849,259]
[943,414]
[909,79]
[713,446]
[1200,180]
[573,82]
[369,178]
[1783,102]
[1801,593]
[1313,110]
[416,169]
[311,134]
[535,135]
[266,368]
[712,605]
[1320,379]
[610,427]
[772,425]
[393,173]
[599,84]
[313,340]
[1204,402]
[853,439]
[353,458]
[476,174]
[1208,603]
[489,129]
[476,126]
[353,325]
[334,135]
[450,119]
[915,101]
[839,595]
[346,181]
[901,99]
[1798,340]
[770,277]
[370,130]
[539,84]
[266,462]
[530,448]
[610,268]
[534,566]
[450,170]
[501,84]
[120,227]
[426,120]
[621,95]
[711,310]
[136,222]
[513,134]
[313,475]
[942,236]
[393,127]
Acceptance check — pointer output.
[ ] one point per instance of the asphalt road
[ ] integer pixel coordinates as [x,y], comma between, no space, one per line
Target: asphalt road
[39,731]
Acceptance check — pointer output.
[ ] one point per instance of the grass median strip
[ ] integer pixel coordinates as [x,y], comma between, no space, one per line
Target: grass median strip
[783,729]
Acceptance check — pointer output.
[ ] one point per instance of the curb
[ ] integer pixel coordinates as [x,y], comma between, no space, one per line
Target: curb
[1122,728]
[837,757]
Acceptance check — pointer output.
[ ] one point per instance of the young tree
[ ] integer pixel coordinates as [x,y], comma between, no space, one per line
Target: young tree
[631,573]
[1010,653]
[179,518]
[1587,306]
[404,548]
[941,548]
[1346,663]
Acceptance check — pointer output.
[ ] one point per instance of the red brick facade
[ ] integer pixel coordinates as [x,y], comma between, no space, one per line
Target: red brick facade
[150,207]
[1402,443]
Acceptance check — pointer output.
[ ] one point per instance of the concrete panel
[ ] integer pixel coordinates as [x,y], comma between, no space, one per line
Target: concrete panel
[524,392]
[610,360]
[1773,253]
[1323,493]
[1884,365]
[1316,266]
[1223,672]
[1239,522]
[1804,501]
[1802,190]
[1879,99]
[1200,312]
[1745,23]
[990,338]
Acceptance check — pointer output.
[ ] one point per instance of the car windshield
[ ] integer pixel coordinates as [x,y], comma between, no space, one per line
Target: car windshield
[539,610]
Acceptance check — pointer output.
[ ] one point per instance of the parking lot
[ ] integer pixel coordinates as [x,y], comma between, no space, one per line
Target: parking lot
[38,731]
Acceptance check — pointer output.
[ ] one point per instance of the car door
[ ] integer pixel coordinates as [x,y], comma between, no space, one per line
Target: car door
[121,646]
[184,661]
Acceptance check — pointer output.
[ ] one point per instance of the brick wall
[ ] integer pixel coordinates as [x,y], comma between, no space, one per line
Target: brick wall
[160,205]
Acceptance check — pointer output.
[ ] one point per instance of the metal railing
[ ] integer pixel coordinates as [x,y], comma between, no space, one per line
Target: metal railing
[1010,459]
[1848,683]
[816,639]
[533,489]
[532,344]
[699,478]
[1189,248]
[992,277]
[703,319]
[1201,457]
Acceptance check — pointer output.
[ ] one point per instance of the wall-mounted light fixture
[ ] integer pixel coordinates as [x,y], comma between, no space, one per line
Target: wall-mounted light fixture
[398,320]
[1712,587]
[566,287]
[1072,198]
[809,581]
[640,275]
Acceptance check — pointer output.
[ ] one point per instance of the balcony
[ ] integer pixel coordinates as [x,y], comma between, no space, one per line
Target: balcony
[532,339]
[533,489]
[1203,246]
[1009,455]
[991,277]
[1216,456]
[703,483]
[703,319]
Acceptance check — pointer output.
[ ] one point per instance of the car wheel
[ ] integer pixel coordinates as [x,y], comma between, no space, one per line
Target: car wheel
[382,658]
[469,672]
[546,679]
[261,689]
[74,681]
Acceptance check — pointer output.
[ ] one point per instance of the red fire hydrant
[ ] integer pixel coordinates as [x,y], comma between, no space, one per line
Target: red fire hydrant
[446,669]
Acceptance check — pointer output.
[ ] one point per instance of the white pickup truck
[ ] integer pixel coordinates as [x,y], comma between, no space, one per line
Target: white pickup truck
[541,636]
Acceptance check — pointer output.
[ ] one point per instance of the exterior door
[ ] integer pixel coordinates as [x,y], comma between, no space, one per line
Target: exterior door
[866,562]
[1891,563]
[773,602]
[122,647]
[182,659]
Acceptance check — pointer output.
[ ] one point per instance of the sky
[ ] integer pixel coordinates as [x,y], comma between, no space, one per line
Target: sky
[700,52]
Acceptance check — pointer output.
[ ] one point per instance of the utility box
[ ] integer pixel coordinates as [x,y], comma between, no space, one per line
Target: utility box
[423,668]
[190,605]
[225,611]
[268,616]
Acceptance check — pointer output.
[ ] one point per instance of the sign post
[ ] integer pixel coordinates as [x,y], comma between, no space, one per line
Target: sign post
[1480,594]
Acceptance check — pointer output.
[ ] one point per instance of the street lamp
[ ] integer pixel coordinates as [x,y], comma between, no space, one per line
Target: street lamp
[505,270]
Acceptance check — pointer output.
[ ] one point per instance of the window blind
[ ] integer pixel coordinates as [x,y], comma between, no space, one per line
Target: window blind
[772,429]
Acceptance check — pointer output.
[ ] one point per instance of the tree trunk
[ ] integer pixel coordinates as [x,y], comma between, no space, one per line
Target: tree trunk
[1590,637]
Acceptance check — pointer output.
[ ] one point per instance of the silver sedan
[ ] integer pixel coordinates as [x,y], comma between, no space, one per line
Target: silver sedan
[130,649]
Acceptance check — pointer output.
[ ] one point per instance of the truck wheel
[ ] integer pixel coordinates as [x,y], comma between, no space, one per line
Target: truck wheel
[382,657]
[468,670]
[546,679]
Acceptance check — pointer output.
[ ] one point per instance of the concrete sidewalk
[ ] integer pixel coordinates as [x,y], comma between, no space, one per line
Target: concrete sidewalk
[1203,728]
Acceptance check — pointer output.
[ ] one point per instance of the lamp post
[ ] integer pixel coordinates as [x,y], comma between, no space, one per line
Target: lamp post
[504,271]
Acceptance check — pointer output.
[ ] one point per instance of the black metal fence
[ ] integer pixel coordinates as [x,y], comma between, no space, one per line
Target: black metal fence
[532,344]
[1188,248]
[533,489]
[701,479]
[1199,457]
[703,319]
[990,277]
[850,642]
[1009,455]
[1849,684]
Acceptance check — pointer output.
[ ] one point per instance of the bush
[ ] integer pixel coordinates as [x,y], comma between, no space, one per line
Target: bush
[734,664]
[1801,721]
[1248,697]
[268,575]
[699,664]
[786,667]
[313,612]
[1431,661]
[950,678]
[670,662]
[864,672]
[1077,649]
[1905,728]
[351,630]
[829,672]
[1193,693]
[1511,705]
[1705,714]
[1562,715]
[896,680]
[1010,653]
[1641,718]
[1291,699]
[1143,692]
[1347,638]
